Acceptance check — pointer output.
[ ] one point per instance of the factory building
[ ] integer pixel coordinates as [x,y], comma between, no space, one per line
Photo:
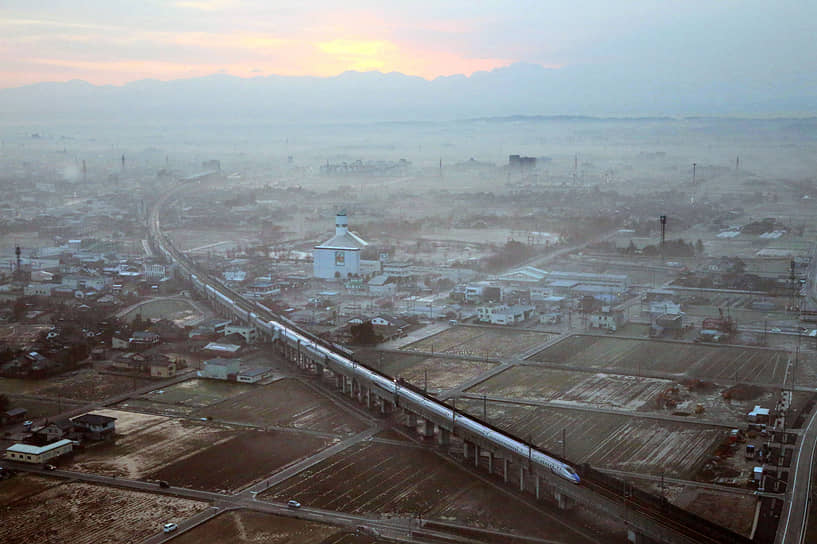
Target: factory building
[338,257]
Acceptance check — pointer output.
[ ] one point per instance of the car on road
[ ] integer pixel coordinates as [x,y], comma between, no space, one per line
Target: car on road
[163,484]
[28,423]
[775,329]
[293,504]
[169,527]
[50,467]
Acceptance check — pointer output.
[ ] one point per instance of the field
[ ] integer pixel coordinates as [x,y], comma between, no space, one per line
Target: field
[34,510]
[693,360]
[248,527]
[218,468]
[442,373]
[606,440]
[197,393]
[733,511]
[89,385]
[284,403]
[604,390]
[38,408]
[146,443]
[480,342]
[179,310]
[375,478]
[182,399]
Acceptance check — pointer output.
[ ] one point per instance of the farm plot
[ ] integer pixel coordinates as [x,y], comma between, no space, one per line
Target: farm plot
[197,393]
[604,390]
[37,408]
[261,453]
[528,382]
[442,373]
[245,526]
[285,403]
[735,512]
[151,442]
[480,341]
[623,392]
[376,478]
[89,385]
[693,360]
[87,514]
[606,440]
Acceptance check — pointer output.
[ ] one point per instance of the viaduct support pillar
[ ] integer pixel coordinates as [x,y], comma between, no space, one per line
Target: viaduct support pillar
[443,436]
[522,478]
[537,485]
[411,419]
[476,455]
[505,464]
[465,449]
[490,462]
[428,429]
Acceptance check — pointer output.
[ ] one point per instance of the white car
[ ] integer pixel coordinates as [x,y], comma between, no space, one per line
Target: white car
[293,504]
[169,527]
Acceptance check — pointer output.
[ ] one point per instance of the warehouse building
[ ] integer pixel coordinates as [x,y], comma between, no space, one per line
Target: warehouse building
[37,455]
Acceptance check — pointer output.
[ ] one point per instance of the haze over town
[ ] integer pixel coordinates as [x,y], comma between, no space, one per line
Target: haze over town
[418,272]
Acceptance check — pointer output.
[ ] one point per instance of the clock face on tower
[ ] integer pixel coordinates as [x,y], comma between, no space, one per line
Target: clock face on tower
[340,258]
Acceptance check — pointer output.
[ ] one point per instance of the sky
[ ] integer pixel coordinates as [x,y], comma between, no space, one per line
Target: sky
[116,41]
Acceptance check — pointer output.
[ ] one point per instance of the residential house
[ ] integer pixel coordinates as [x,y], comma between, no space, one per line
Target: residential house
[95,426]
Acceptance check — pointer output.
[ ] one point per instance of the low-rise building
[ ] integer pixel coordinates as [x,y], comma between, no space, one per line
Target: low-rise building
[143,338]
[502,314]
[382,286]
[51,432]
[162,368]
[253,375]
[220,369]
[249,334]
[222,350]
[607,319]
[95,426]
[37,455]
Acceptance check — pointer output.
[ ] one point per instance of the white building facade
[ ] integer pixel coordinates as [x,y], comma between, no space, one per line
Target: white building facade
[338,257]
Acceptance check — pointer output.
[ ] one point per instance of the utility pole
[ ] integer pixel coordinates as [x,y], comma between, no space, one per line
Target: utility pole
[485,407]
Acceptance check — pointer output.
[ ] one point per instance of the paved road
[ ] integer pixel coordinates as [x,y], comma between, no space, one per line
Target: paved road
[222,501]
[794,518]
[687,483]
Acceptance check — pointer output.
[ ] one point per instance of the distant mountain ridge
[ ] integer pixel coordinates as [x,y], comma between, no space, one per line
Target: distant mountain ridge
[518,89]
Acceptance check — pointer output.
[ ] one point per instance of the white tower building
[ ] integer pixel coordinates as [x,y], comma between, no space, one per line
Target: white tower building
[338,257]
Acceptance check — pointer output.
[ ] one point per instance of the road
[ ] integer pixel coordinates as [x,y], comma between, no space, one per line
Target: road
[399,527]
[794,518]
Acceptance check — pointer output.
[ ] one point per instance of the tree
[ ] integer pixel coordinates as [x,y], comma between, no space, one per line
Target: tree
[364,334]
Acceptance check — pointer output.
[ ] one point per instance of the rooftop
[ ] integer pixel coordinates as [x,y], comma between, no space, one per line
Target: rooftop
[37,450]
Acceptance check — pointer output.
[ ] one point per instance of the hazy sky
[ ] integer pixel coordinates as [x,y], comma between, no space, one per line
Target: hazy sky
[117,41]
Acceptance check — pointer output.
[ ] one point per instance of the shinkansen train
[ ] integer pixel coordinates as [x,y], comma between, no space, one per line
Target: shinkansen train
[287,331]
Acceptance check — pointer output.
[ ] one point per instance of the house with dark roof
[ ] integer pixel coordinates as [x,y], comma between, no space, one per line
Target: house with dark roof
[95,426]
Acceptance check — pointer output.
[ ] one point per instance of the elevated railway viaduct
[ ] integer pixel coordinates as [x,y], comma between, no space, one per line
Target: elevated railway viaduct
[520,464]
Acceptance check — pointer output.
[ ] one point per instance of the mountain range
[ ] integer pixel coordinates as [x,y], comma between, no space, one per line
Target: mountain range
[518,89]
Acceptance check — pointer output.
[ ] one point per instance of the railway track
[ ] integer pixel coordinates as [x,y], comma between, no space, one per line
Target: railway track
[660,513]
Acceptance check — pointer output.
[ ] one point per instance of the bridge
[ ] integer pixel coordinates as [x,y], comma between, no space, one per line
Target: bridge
[518,463]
